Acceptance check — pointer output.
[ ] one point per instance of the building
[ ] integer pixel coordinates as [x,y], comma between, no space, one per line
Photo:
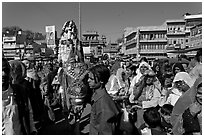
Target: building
[9,47]
[111,50]
[92,44]
[149,41]
[191,21]
[169,39]
[194,30]
[130,42]
[15,46]
[176,36]
[183,35]
[195,39]
[152,42]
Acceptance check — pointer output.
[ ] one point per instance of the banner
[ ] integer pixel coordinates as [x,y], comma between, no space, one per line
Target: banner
[50,36]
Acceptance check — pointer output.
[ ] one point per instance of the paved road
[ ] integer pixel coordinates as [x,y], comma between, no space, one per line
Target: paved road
[61,126]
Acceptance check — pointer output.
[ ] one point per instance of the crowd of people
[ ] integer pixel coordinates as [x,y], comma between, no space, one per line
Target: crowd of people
[126,98]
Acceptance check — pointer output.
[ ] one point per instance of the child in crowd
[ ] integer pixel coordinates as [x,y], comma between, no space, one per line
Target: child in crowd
[165,112]
[153,124]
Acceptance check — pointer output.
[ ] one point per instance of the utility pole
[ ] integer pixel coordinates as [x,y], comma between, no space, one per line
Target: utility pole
[79,21]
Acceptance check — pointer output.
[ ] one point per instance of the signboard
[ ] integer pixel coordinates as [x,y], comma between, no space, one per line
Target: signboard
[50,36]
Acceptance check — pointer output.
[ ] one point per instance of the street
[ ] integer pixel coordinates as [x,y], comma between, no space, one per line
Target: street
[63,127]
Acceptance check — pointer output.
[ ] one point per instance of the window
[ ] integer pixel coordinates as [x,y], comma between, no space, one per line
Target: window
[181,41]
[151,36]
[174,41]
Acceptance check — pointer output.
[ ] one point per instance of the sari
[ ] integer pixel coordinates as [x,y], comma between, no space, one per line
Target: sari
[181,105]
[136,80]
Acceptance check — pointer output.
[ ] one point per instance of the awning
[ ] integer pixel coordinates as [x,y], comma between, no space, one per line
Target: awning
[193,49]
[177,51]
[184,50]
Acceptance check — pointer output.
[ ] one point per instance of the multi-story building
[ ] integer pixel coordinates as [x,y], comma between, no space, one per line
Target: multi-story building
[15,46]
[191,21]
[149,41]
[92,44]
[152,42]
[195,39]
[176,36]
[9,47]
[194,33]
[159,41]
[130,42]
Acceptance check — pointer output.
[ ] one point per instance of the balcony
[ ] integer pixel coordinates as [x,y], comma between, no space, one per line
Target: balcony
[152,50]
[154,40]
[175,32]
[9,46]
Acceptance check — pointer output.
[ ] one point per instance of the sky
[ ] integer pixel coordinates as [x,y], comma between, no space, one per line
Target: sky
[107,18]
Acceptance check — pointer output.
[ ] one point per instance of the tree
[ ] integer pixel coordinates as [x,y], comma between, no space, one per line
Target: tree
[12,30]
[30,35]
[39,36]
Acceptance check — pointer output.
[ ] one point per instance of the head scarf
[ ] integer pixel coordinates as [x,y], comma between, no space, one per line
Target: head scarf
[185,77]
[139,74]
[136,79]
[183,103]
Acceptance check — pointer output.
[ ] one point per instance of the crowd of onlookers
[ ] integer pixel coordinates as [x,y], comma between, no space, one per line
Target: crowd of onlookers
[127,97]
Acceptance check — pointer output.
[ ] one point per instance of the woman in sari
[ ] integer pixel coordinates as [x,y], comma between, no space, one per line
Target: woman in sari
[136,80]
[183,103]
[147,95]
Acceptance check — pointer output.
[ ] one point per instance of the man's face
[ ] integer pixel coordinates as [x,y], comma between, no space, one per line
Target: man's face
[5,73]
[93,83]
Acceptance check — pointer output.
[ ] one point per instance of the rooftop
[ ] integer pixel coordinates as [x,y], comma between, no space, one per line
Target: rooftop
[186,17]
[175,20]
[152,28]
